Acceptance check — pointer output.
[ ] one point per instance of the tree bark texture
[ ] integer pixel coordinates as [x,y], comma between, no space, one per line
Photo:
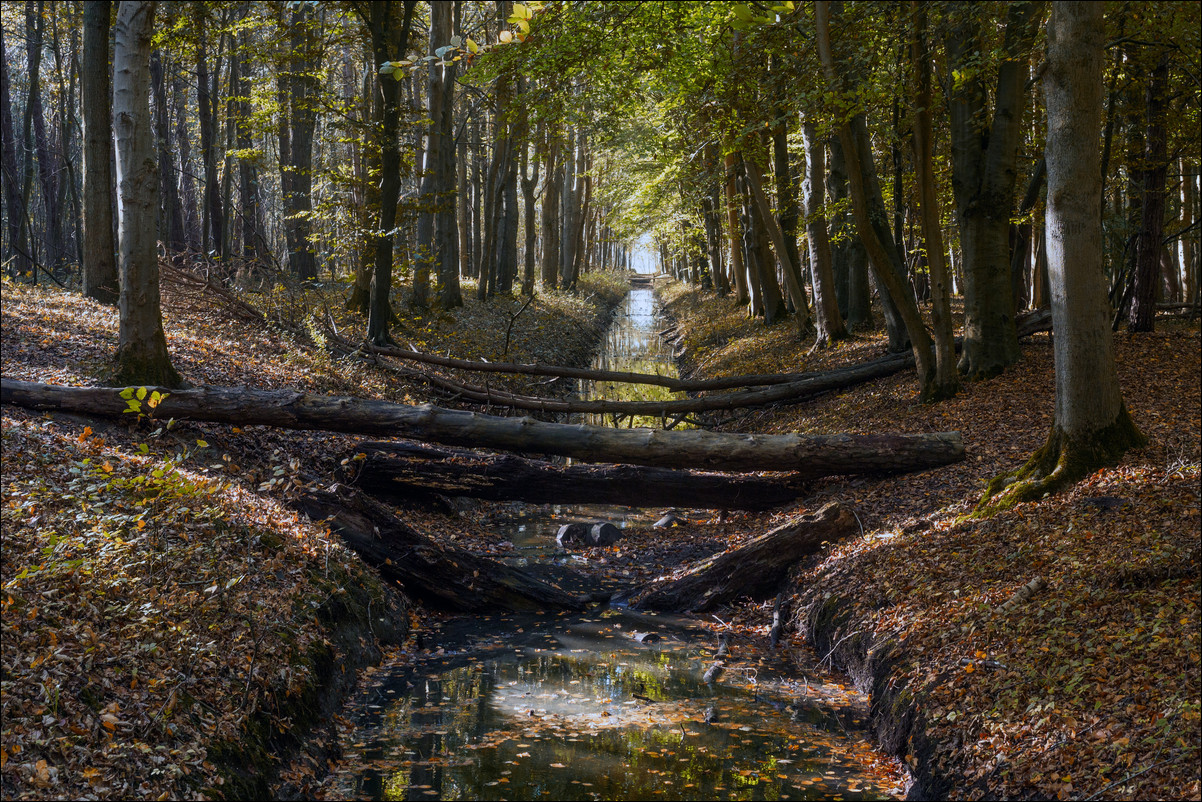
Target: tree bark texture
[142,356]
[171,217]
[946,382]
[984,170]
[441,576]
[389,41]
[407,471]
[95,95]
[813,190]
[791,269]
[848,259]
[1146,279]
[47,174]
[298,92]
[1091,426]
[738,269]
[814,454]
[874,233]
[756,569]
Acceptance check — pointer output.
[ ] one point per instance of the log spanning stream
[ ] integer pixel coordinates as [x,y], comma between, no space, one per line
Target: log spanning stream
[607,704]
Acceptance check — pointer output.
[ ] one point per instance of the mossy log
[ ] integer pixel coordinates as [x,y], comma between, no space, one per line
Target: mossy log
[399,471]
[441,576]
[818,455]
[755,569]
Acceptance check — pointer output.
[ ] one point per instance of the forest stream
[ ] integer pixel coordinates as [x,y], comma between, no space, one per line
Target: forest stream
[610,703]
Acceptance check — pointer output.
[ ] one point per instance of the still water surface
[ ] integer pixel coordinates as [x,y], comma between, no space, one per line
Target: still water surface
[610,704]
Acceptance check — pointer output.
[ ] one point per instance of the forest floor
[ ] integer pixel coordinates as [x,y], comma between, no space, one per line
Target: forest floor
[148,571]
[126,624]
[1092,688]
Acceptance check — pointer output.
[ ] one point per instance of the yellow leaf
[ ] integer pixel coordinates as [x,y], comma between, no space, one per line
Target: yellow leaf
[981,655]
[506,37]
[237,430]
[87,431]
[108,466]
[968,669]
[202,444]
[141,524]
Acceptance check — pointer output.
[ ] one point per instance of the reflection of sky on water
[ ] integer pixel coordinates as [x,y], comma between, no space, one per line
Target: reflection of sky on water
[633,344]
[585,712]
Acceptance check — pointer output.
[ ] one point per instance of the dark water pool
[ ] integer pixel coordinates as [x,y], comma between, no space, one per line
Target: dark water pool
[578,707]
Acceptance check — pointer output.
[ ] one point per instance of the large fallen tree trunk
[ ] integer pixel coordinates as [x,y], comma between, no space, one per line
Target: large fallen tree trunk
[673,383]
[806,384]
[782,387]
[441,576]
[755,569]
[817,455]
[406,471]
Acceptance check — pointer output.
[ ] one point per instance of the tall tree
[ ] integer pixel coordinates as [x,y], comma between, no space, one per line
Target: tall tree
[444,245]
[297,90]
[142,356]
[99,249]
[873,229]
[17,248]
[984,170]
[1153,171]
[1091,426]
[388,24]
[946,382]
[826,305]
[35,26]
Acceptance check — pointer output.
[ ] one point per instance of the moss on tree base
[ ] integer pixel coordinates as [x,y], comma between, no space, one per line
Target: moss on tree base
[1061,461]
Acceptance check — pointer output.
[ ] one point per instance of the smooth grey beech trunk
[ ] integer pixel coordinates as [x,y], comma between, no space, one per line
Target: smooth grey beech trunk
[95,95]
[1087,390]
[1091,426]
[142,356]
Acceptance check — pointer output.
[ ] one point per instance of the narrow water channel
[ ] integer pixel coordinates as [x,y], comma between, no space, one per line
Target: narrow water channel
[610,704]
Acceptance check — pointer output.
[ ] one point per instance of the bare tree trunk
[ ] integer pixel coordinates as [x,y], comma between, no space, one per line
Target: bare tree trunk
[1152,200]
[946,382]
[95,95]
[388,40]
[297,91]
[552,186]
[826,306]
[212,223]
[142,356]
[52,230]
[529,179]
[738,269]
[984,159]
[171,219]
[810,455]
[439,193]
[877,251]
[756,569]
[849,261]
[1091,426]
[189,200]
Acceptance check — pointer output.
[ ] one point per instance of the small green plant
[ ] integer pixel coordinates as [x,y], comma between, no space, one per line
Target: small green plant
[134,396]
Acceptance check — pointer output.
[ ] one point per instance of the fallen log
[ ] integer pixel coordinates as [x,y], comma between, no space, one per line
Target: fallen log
[755,569]
[407,471]
[673,383]
[441,576]
[816,455]
[782,387]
